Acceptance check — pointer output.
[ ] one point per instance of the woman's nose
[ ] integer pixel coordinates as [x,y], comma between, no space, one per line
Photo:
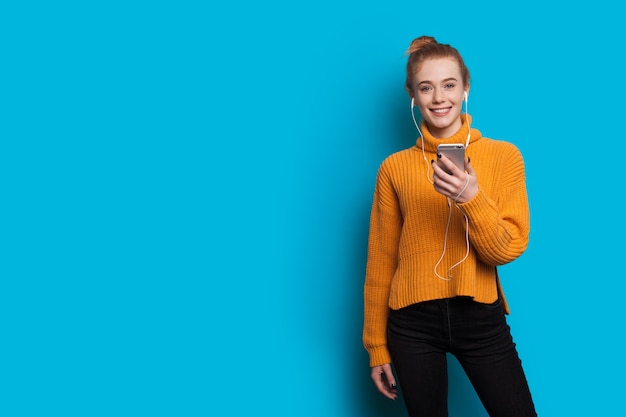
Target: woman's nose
[438,97]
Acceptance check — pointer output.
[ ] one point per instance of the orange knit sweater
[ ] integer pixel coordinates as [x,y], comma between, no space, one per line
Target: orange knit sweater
[408,225]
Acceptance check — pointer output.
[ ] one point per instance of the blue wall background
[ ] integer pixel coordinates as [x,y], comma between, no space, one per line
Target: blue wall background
[186,189]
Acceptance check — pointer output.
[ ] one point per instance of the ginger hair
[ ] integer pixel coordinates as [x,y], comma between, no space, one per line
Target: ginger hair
[425,48]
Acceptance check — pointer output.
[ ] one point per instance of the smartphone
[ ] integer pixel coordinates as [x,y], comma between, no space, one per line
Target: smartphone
[454,151]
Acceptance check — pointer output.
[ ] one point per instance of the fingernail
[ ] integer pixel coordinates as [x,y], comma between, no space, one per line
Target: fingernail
[393,386]
[468,159]
[438,155]
[432,161]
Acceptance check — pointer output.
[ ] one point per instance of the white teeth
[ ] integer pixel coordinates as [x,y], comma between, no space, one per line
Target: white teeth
[440,110]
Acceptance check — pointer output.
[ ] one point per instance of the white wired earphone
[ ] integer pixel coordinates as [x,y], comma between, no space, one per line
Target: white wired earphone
[445,238]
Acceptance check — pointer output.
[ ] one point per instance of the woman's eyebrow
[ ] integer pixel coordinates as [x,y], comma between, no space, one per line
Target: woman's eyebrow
[444,80]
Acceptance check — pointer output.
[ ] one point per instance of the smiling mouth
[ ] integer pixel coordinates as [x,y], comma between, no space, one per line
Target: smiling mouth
[441,112]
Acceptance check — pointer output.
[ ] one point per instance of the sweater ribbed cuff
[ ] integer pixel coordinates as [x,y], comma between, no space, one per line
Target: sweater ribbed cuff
[379,356]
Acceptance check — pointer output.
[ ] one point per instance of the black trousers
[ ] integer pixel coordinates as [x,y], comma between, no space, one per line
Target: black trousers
[420,335]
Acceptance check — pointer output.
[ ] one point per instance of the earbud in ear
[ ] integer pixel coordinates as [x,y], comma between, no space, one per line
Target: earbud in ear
[412,102]
[465,95]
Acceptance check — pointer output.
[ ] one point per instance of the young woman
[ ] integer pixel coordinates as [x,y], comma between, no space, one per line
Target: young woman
[437,233]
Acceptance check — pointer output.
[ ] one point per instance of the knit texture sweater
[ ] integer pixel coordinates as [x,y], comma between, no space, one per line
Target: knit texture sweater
[408,226]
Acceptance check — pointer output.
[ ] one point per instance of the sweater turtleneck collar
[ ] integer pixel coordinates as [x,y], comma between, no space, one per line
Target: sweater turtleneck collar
[431,142]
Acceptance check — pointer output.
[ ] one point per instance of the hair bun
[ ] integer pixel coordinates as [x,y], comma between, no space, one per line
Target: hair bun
[420,43]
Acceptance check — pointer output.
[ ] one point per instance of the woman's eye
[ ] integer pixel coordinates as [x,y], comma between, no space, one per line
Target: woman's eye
[425,89]
[449,86]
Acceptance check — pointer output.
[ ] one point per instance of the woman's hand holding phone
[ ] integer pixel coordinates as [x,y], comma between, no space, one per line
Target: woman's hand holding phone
[458,184]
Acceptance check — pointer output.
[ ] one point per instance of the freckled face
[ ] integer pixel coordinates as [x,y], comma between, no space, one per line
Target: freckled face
[438,91]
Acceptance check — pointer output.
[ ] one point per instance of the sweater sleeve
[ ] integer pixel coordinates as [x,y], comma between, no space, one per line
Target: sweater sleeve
[382,255]
[500,222]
